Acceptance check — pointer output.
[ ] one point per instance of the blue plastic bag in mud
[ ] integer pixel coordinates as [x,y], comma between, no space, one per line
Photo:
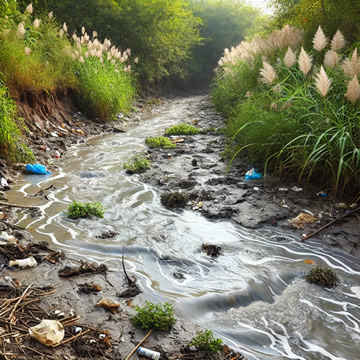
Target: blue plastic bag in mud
[252,175]
[37,169]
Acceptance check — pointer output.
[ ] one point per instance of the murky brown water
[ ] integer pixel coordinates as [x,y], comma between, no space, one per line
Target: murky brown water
[253,296]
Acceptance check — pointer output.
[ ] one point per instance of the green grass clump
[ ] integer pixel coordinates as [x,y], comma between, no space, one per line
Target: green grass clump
[77,210]
[154,316]
[104,89]
[159,142]
[204,340]
[137,165]
[11,142]
[322,276]
[182,129]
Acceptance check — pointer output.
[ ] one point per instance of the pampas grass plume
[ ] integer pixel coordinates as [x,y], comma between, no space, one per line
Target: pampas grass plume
[29,9]
[27,51]
[322,82]
[320,41]
[81,59]
[267,73]
[65,27]
[61,33]
[37,23]
[20,30]
[290,58]
[305,61]
[83,30]
[352,67]
[331,59]
[51,15]
[353,90]
[338,41]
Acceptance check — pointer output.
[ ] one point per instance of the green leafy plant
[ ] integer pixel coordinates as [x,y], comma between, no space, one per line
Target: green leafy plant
[204,340]
[159,142]
[322,276]
[182,129]
[137,165]
[77,210]
[154,316]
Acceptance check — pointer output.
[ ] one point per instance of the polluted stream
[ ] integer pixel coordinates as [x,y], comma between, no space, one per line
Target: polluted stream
[253,295]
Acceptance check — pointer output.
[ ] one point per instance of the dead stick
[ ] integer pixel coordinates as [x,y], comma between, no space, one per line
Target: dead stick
[15,227]
[18,302]
[330,223]
[18,206]
[72,338]
[138,345]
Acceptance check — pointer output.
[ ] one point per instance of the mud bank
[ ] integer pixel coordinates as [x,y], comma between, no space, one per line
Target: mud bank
[197,168]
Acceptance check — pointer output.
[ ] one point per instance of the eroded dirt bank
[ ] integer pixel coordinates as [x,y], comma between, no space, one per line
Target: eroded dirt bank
[197,168]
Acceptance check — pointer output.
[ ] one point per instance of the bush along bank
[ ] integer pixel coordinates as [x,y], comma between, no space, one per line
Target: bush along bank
[39,57]
[296,112]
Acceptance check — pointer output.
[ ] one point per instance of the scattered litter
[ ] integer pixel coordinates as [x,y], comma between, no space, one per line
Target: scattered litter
[4,183]
[148,353]
[341,205]
[57,155]
[309,262]
[256,188]
[83,268]
[211,250]
[308,212]
[284,205]
[78,329]
[9,238]
[37,169]
[23,263]
[322,194]
[48,332]
[89,288]
[353,206]
[54,134]
[302,219]
[356,290]
[108,305]
[283,189]
[296,189]
[252,175]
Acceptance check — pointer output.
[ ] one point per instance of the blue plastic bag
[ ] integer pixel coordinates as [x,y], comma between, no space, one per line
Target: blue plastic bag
[37,169]
[252,175]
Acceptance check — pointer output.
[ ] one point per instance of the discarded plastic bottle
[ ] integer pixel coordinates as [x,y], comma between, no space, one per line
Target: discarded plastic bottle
[148,353]
[252,175]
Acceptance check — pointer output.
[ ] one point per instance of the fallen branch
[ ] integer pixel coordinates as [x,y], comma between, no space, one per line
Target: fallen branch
[18,206]
[330,223]
[12,226]
[138,345]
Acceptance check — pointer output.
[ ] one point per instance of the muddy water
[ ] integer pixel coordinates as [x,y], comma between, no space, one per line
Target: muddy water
[252,296]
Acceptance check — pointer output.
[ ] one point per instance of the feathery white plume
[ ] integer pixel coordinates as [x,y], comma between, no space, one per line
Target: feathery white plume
[27,51]
[305,61]
[322,82]
[20,30]
[65,27]
[290,58]
[320,41]
[352,67]
[29,9]
[267,73]
[338,41]
[83,30]
[61,33]
[331,59]
[37,23]
[81,59]
[353,90]
[51,15]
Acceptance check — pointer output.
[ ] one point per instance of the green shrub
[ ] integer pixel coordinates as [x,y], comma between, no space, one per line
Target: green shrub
[137,165]
[322,276]
[159,142]
[204,340]
[77,210]
[182,129]
[154,316]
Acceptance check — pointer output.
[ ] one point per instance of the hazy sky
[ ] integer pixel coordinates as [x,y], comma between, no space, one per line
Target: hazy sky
[262,4]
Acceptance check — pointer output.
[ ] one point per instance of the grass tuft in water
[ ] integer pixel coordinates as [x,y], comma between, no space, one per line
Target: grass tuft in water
[77,210]
[322,276]
[204,340]
[182,129]
[159,142]
[137,166]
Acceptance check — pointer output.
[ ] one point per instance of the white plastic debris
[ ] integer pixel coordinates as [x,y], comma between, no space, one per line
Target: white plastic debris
[3,182]
[296,189]
[78,329]
[48,332]
[283,189]
[256,188]
[23,263]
